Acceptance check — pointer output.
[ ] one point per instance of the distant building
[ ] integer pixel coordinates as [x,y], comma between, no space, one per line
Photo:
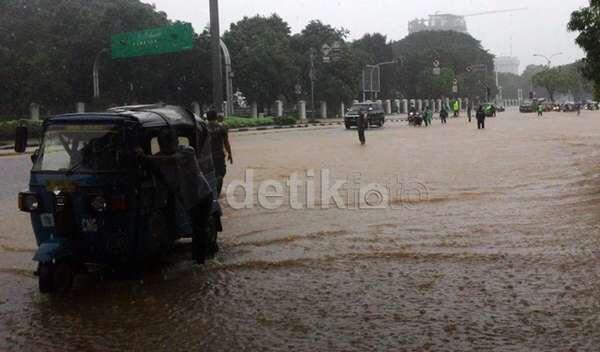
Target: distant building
[507,64]
[439,22]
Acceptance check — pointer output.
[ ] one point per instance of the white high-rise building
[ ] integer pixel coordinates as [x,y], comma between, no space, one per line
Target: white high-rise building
[507,64]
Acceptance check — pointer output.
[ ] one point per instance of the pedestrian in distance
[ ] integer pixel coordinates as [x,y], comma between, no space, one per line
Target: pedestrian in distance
[428,117]
[456,108]
[469,111]
[219,138]
[362,124]
[444,115]
[578,107]
[480,118]
[540,110]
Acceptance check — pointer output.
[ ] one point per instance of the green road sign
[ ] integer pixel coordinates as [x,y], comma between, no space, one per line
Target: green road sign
[163,40]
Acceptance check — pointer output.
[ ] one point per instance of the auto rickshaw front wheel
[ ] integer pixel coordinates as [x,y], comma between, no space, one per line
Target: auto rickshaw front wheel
[55,277]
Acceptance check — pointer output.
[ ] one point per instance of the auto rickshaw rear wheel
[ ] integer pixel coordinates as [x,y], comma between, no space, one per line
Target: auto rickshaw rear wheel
[55,277]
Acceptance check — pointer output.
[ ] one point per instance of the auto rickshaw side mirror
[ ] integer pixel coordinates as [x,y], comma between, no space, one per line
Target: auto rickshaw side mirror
[21,136]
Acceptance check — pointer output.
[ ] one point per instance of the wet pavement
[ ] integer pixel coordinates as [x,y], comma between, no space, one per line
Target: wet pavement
[492,244]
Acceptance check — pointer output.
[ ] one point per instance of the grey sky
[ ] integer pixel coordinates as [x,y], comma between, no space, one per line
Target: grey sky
[540,29]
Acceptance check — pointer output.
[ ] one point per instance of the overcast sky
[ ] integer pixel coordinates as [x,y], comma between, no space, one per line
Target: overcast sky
[539,29]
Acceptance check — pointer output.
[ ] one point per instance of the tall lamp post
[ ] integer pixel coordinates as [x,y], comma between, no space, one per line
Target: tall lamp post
[549,64]
[548,59]
[217,70]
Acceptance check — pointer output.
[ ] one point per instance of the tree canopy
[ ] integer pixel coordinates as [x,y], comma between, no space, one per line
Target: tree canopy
[47,50]
[455,52]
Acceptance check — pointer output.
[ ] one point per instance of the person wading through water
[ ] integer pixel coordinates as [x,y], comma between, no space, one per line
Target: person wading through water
[362,123]
[480,118]
[444,115]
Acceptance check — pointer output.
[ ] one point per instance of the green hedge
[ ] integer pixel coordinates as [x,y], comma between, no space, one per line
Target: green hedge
[7,130]
[243,122]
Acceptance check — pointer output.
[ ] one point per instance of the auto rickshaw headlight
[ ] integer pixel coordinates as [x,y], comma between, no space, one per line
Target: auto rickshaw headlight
[28,202]
[99,204]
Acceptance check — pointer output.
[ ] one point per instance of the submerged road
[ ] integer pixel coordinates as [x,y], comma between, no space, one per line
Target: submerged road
[487,240]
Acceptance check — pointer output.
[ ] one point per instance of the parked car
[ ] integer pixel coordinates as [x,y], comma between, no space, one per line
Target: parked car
[527,107]
[375,112]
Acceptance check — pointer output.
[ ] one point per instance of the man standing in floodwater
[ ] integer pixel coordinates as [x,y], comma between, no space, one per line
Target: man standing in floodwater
[469,110]
[480,118]
[444,115]
[362,123]
[428,116]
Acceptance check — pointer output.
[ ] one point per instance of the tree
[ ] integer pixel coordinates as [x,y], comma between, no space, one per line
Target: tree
[47,49]
[455,52]
[587,22]
[373,49]
[337,80]
[567,79]
[552,80]
[264,61]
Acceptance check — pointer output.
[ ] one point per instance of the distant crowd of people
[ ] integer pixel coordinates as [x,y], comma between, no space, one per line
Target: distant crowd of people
[426,118]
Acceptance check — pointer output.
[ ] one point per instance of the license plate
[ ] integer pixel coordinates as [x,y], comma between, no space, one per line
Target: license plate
[47,220]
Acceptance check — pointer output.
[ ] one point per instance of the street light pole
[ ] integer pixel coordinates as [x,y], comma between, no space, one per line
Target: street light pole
[549,62]
[217,71]
[96,74]
[548,59]
[312,82]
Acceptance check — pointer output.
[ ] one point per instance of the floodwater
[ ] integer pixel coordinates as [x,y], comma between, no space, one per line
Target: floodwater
[491,244]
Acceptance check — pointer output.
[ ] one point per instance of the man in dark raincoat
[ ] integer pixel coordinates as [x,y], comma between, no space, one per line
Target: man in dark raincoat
[178,168]
[362,123]
[480,118]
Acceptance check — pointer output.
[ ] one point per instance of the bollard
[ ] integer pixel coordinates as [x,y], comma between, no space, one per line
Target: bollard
[34,111]
[388,107]
[196,108]
[419,105]
[405,106]
[439,105]
[254,110]
[342,110]
[302,110]
[323,110]
[279,105]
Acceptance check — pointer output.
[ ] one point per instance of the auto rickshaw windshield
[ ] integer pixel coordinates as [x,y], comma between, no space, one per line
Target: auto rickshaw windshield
[81,148]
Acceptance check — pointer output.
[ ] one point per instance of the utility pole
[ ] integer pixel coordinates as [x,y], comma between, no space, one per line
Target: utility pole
[313,78]
[217,70]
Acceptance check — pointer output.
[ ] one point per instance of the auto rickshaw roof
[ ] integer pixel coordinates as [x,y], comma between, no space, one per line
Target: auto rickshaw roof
[157,115]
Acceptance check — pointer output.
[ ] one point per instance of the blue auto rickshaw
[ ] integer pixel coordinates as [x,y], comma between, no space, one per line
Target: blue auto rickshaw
[90,200]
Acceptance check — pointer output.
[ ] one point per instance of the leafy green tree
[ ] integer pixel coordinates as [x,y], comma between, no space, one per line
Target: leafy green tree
[47,50]
[455,51]
[552,80]
[337,80]
[586,21]
[264,63]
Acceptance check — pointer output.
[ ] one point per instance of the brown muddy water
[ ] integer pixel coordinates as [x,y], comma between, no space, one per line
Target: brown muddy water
[492,244]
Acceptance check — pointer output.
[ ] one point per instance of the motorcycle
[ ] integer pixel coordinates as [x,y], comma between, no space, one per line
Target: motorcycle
[415,119]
